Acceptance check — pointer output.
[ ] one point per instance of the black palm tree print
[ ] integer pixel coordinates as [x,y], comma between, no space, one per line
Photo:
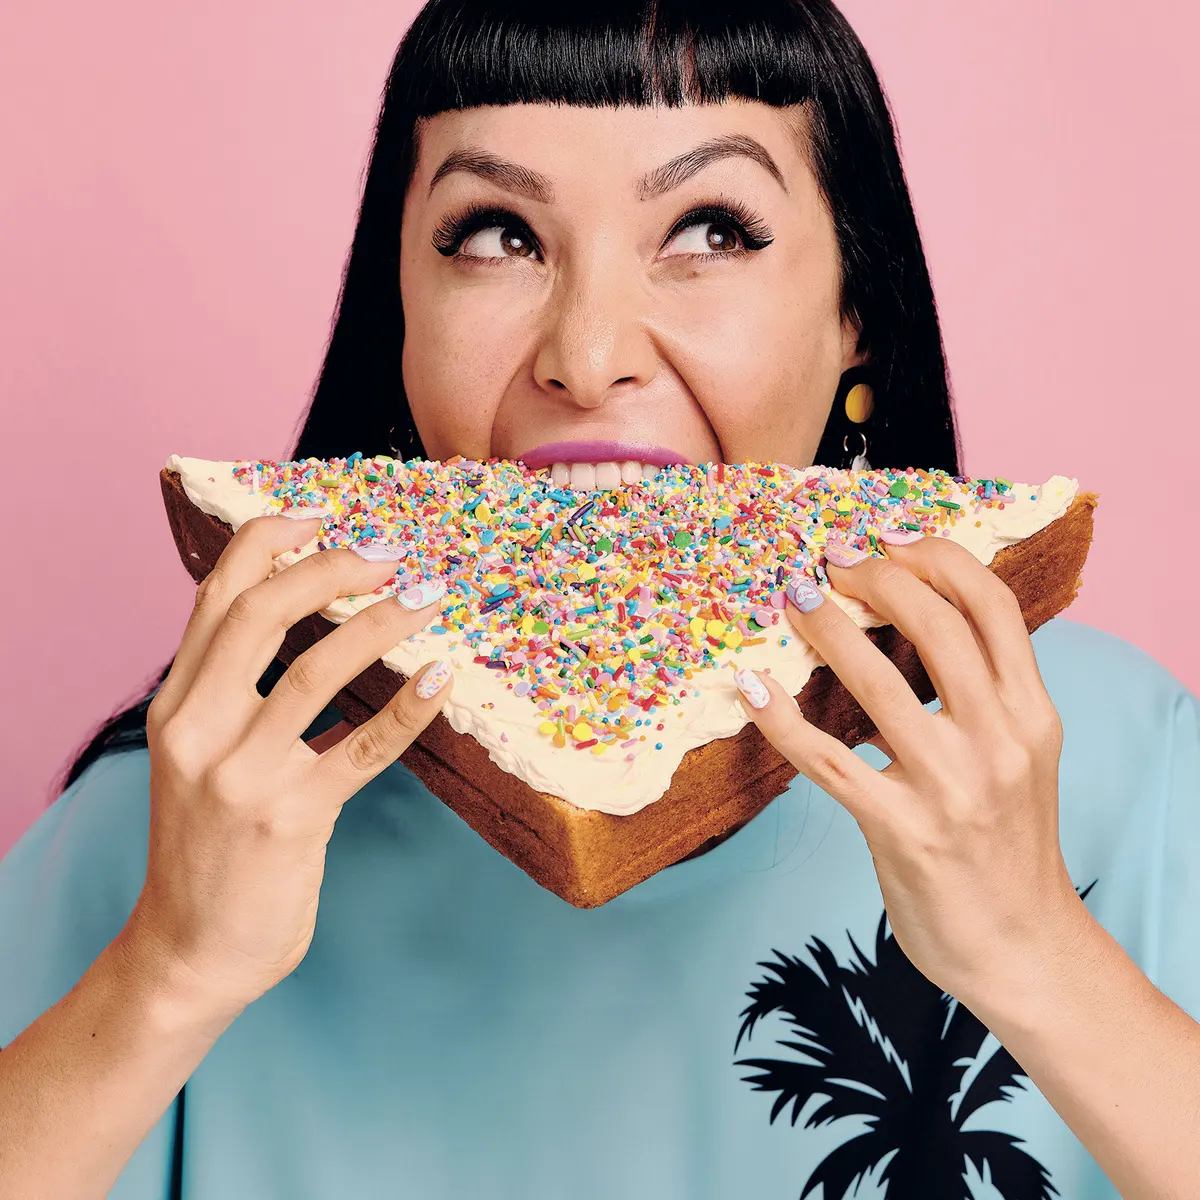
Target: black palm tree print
[879,1041]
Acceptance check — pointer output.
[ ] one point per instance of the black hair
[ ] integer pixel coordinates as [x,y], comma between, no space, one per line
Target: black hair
[464,53]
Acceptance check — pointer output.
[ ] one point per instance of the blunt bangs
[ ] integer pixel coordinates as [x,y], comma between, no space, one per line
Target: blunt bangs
[638,53]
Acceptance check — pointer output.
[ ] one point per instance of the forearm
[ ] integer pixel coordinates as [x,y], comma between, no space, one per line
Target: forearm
[84,1084]
[1118,1060]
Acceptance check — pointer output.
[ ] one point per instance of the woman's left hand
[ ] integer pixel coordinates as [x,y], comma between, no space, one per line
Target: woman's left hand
[962,825]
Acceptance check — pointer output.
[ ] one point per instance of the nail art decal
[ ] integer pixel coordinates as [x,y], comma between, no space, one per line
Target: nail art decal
[434,679]
[844,556]
[803,593]
[900,537]
[377,552]
[422,594]
[752,688]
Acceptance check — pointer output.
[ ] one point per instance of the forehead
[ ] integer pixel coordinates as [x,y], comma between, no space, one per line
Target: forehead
[562,143]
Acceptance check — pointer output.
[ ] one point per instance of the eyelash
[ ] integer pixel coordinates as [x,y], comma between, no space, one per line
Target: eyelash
[449,236]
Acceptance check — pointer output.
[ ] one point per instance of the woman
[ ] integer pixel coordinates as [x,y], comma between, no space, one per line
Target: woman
[661,226]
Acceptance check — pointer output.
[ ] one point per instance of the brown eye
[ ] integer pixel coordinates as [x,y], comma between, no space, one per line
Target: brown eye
[721,237]
[701,237]
[717,230]
[493,234]
[498,241]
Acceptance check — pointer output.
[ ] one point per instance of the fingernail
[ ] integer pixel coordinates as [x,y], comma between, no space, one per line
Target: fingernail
[752,688]
[803,593]
[298,513]
[377,552]
[422,594]
[900,537]
[434,679]
[844,556]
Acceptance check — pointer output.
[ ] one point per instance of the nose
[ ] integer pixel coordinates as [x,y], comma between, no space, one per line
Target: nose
[595,345]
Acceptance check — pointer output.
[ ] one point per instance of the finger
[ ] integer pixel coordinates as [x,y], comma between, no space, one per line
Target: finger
[376,744]
[868,674]
[943,639]
[315,677]
[989,606]
[245,561]
[817,755]
[257,620]
[880,743]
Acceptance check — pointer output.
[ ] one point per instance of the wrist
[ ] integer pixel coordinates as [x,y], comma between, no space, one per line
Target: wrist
[170,996]
[1021,986]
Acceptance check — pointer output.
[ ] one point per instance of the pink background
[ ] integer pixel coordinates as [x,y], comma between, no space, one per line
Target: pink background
[178,185]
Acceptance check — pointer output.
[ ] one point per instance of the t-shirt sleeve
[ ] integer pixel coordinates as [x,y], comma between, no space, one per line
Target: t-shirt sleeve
[66,890]
[1177,955]
[1130,797]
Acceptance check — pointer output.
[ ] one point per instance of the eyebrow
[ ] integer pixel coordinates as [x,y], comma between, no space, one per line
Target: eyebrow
[513,177]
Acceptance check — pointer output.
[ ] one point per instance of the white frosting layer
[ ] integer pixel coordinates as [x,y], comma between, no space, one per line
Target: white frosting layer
[607,782]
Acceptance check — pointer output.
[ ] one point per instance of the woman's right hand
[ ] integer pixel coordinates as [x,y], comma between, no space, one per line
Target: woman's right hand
[241,808]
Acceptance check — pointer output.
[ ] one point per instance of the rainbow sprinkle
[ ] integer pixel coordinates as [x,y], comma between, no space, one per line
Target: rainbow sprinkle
[600,608]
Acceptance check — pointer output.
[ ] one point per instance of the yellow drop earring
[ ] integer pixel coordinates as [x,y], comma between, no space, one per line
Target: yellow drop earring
[859,404]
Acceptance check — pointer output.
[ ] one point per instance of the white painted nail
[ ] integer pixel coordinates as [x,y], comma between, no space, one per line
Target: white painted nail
[434,679]
[752,688]
[900,537]
[842,555]
[420,595]
[296,513]
[377,552]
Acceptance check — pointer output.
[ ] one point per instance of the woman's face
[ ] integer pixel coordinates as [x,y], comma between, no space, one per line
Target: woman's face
[591,321]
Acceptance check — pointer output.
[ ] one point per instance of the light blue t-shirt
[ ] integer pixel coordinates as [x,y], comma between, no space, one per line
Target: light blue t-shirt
[457,1032]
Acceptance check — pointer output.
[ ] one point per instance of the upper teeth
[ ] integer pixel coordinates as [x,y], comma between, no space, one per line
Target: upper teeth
[585,476]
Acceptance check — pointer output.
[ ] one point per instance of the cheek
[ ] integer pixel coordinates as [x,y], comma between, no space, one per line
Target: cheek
[763,362]
[459,356]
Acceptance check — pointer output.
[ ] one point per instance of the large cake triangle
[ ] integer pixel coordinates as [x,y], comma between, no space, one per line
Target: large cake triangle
[592,635]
